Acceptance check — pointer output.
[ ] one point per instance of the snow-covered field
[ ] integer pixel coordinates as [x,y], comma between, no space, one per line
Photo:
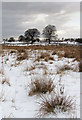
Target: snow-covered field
[39,43]
[16,75]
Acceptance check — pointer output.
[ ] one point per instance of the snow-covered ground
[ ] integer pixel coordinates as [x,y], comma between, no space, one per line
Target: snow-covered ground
[16,75]
[17,43]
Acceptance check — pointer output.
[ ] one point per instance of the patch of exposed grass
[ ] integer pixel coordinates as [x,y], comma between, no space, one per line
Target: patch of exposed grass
[21,51]
[12,51]
[30,68]
[54,52]
[1,71]
[6,81]
[51,62]
[51,58]
[43,55]
[63,69]
[69,50]
[22,56]
[46,59]
[55,104]
[40,86]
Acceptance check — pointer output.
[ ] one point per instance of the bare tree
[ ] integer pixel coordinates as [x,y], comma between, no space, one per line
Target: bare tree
[49,32]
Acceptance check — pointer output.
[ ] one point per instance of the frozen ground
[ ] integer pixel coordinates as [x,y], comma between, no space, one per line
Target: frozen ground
[16,75]
[40,43]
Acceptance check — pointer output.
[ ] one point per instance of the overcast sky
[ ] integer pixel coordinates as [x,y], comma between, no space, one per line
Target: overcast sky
[20,16]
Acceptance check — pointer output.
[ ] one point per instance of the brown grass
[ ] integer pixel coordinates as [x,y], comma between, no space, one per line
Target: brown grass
[30,68]
[63,69]
[51,62]
[43,55]
[46,56]
[21,51]
[1,71]
[12,51]
[41,86]
[54,52]
[55,104]
[70,51]
[6,81]
[21,56]
[46,59]
[51,58]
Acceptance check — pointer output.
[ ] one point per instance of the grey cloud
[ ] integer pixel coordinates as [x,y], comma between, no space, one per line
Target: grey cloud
[16,13]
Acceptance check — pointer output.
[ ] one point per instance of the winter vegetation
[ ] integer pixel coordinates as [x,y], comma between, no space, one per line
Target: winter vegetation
[40,60]
[40,81]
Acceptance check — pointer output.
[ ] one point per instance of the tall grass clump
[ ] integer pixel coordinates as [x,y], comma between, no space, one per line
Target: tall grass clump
[55,104]
[63,68]
[41,86]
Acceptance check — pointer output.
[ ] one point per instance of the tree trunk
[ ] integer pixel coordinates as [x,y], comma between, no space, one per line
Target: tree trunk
[49,41]
[32,40]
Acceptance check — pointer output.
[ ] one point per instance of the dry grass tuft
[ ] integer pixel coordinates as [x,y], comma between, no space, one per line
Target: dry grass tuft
[12,51]
[54,52]
[21,51]
[63,68]
[51,58]
[41,86]
[69,54]
[30,68]
[6,81]
[55,104]
[46,59]
[1,71]
[51,62]
[37,59]
[22,56]
[43,55]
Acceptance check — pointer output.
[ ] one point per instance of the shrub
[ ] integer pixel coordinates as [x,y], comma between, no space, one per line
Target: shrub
[41,86]
[55,104]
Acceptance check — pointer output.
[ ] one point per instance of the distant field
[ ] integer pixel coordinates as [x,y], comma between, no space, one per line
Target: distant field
[73,51]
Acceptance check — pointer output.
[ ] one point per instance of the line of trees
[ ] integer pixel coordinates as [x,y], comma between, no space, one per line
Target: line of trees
[49,33]
[32,35]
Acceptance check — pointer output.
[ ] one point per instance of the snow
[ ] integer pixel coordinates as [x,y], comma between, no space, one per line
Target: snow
[17,43]
[14,99]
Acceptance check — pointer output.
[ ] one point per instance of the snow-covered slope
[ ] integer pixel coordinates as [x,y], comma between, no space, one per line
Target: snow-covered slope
[16,75]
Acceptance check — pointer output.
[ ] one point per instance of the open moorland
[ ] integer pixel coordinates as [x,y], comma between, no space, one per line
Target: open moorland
[40,81]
